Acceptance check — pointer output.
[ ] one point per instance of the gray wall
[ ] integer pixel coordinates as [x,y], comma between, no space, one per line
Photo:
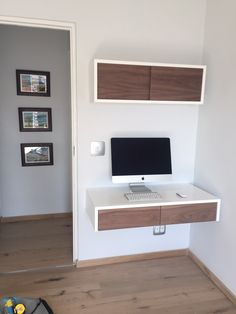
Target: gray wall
[44,189]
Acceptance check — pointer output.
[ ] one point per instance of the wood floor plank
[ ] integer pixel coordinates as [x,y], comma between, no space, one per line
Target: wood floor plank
[35,228]
[168,285]
[173,285]
[35,244]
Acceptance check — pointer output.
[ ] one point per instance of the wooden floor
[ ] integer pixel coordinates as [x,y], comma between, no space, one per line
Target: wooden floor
[168,285]
[35,244]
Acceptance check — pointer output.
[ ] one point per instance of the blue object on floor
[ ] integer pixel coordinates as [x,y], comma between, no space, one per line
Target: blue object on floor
[36,306]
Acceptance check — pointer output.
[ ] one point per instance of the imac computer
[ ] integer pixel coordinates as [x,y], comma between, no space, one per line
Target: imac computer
[139,160]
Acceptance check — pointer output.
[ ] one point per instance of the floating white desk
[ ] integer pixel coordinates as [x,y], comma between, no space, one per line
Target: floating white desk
[108,208]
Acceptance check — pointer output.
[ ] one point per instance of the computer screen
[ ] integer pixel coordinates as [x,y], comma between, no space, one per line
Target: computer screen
[140,159]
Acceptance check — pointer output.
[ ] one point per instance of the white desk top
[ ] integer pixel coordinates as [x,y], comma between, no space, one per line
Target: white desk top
[113,197]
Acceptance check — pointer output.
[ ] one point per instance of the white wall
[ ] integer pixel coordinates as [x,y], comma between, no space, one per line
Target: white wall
[153,30]
[215,169]
[44,189]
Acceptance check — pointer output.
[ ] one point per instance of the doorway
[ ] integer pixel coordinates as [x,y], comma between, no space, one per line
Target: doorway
[44,201]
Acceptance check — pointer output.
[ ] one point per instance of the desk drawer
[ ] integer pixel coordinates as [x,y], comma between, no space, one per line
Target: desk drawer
[128,217]
[188,213]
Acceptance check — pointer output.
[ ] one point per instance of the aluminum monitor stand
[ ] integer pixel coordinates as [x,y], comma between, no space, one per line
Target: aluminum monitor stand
[138,187]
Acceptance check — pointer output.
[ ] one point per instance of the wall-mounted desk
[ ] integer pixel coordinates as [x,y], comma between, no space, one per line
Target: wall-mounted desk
[109,209]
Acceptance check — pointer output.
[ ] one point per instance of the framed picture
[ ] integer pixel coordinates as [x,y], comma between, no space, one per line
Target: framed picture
[36,154]
[33,83]
[35,119]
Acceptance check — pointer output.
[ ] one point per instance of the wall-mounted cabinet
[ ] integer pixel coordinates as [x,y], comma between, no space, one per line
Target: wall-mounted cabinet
[157,215]
[109,209]
[121,81]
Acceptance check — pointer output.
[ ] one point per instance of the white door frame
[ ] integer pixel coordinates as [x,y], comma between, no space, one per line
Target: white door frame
[71,27]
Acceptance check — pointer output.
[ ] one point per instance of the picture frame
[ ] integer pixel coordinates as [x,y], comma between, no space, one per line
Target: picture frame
[33,83]
[35,119]
[36,154]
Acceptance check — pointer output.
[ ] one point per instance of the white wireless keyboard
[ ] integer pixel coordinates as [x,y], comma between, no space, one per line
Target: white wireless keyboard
[142,196]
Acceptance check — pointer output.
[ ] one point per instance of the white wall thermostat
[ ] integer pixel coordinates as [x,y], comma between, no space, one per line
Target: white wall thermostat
[97,148]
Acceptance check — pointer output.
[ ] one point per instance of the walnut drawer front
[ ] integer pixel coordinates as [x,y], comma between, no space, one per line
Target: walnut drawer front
[128,217]
[122,81]
[176,84]
[188,213]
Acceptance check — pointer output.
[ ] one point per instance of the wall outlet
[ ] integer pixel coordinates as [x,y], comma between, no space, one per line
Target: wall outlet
[159,230]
